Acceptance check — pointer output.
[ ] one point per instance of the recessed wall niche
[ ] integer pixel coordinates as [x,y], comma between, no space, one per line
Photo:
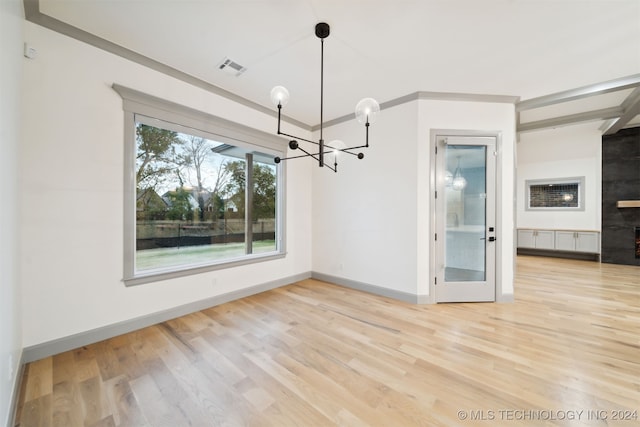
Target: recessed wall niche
[554,194]
[620,182]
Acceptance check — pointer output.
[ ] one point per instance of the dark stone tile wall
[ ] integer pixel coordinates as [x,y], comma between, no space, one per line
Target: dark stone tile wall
[547,196]
[620,181]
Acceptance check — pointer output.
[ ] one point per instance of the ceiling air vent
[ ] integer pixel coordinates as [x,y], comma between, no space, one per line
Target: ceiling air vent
[229,66]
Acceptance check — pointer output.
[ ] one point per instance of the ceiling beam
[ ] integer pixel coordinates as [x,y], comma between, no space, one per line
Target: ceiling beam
[581,92]
[606,125]
[630,108]
[603,114]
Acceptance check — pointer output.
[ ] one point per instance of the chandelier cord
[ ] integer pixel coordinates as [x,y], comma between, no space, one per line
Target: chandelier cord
[321,101]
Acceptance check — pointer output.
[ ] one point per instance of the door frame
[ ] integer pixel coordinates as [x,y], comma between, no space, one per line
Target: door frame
[433,143]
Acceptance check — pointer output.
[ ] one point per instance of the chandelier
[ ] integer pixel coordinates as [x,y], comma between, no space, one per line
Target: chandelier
[458,182]
[366,112]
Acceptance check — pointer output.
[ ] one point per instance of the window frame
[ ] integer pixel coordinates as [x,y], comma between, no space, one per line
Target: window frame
[181,118]
[579,180]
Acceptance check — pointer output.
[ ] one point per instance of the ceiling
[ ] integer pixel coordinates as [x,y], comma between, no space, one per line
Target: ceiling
[552,54]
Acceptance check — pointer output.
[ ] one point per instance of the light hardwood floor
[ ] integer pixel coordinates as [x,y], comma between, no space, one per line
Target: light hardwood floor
[567,352]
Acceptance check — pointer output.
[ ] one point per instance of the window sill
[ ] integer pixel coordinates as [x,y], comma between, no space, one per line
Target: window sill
[174,273]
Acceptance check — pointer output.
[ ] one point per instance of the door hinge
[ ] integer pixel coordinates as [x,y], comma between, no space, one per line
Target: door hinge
[436,194]
[435,280]
[436,236]
[436,149]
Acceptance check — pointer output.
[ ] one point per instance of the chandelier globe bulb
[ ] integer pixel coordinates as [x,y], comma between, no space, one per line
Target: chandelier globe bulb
[367,110]
[279,96]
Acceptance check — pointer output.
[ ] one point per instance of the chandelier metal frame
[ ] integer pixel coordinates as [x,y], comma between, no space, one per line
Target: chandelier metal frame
[366,111]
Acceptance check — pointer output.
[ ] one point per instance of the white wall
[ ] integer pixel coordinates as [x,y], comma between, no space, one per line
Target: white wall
[11,18]
[371,221]
[569,151]
[368,223]
[473,116]
[72,187]
[364,217]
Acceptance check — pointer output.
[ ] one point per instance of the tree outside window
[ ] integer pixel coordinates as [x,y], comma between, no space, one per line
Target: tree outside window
[191,200]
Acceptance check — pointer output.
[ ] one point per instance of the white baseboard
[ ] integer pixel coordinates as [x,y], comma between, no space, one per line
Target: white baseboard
[15,395]
[49,348]
[372,289]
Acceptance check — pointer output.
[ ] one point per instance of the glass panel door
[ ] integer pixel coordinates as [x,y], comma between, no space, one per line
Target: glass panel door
[465,207]
[465,219]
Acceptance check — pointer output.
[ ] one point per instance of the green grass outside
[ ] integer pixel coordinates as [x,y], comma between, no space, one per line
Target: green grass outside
[150,259]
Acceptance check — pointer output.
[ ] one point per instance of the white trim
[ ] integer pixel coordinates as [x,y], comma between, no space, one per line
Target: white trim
[631,108]
[580,180]
[372,289]
[506,298]
[602,88]
[184,119]
[33,14]
[50,348]
[497,135]
[15,394]
[440,96]
[587,116]
[70,342]
[137,102]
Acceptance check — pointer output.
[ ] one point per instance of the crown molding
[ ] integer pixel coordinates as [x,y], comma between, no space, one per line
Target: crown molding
[33,14]
[440,96]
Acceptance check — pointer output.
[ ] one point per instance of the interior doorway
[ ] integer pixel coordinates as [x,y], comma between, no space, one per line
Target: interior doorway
[464,217]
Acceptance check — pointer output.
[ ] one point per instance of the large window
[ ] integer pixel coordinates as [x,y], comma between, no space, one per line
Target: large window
[200,194]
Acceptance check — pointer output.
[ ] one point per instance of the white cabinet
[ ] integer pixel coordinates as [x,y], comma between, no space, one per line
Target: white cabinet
[584,242]
[578,241]
[536,239]
[544,239]
[526,239]
[588,241]
[565,240]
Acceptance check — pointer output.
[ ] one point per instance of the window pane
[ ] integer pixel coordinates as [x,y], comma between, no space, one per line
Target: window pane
[190,200]
[466,213]
[264,206]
